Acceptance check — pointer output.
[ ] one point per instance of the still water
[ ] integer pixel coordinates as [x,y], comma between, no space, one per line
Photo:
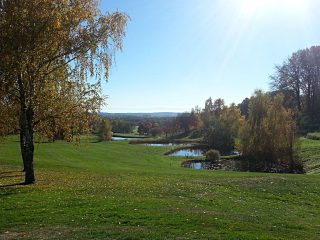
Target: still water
[166,144]
[188,153]
[122,139]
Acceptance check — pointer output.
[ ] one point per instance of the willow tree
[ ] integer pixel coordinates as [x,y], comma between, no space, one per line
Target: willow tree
[105,131]
[48,51]
[268,138]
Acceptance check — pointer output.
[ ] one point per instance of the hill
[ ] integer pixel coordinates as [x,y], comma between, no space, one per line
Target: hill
[140,115]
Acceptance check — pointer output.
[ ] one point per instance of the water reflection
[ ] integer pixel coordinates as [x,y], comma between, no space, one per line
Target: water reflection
[197,165]
[122,139]
[166,144]
[224,164]
[188,153]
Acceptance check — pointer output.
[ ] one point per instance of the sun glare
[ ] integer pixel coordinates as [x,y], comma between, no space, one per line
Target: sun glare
[250,7]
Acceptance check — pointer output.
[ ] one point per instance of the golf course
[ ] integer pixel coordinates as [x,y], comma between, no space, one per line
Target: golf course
[116,190]
[159,120]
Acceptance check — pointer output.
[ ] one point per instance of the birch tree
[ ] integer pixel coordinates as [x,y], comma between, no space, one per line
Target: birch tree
[48,51]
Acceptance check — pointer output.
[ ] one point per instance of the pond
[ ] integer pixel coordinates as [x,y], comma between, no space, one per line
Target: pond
[196,165]
[203,165]
[119,139]
[188,153]
[234,165]
[223,164]
[166,144]
[122,139]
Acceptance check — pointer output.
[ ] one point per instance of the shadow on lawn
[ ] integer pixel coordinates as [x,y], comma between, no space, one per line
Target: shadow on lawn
[12,185]
[11,189]
[11,174]
[8,172]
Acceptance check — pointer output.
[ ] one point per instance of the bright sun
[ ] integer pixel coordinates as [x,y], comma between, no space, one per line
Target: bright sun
[250,7]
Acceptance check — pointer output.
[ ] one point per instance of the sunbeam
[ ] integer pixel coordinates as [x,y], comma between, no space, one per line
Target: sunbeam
[252,7]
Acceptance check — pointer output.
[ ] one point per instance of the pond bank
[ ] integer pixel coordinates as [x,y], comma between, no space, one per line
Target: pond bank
[236,163]
[162,141]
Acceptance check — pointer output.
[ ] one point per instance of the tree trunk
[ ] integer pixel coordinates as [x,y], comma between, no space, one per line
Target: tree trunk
[29,176]
[23,149]
[27,145]
[26,131]
[298,100]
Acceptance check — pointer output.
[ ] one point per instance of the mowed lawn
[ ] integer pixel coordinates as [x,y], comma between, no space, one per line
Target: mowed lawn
[114,190]
[310,154]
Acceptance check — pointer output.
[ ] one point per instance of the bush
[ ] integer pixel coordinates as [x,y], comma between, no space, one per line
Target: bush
[212,155]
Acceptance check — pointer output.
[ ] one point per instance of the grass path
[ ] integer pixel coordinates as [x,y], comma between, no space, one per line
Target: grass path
[121,191]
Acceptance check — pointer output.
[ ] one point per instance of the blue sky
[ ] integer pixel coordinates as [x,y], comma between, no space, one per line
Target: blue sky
[178,53]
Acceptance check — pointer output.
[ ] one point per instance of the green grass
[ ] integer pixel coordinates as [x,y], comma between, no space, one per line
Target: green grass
[115,190]
[313,136]
[310,155]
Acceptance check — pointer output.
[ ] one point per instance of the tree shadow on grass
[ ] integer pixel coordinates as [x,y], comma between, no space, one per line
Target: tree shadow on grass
[8,172]
[12,185]
[12,176]
[12,189]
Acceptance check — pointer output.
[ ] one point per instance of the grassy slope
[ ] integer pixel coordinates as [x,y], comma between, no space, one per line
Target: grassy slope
[313,136]
[310,154]
[120,191]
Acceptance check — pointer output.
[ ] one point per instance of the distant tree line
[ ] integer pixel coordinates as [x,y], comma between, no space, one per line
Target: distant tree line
[149,128]
[122,126]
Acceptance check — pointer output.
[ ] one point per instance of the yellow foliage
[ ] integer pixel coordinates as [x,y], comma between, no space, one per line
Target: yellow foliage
[48,56]
[269,134]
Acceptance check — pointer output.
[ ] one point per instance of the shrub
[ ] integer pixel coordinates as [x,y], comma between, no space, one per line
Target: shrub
[212,155]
